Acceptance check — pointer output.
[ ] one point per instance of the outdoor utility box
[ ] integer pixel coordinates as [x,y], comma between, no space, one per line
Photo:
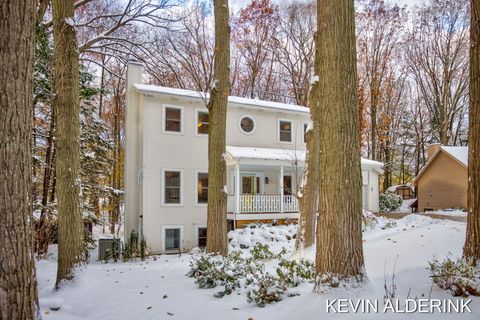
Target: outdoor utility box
[107,244]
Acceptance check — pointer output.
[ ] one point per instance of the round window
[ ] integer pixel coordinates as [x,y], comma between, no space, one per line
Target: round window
[247,124]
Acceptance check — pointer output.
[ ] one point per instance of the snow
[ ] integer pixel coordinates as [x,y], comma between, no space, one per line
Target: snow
[459,153]
[159,289]
[451,212]
[405,207]
[280,154]
[146,88]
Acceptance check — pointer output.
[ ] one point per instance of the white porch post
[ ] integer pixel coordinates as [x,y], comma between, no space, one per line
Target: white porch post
[281,189]
[237,187]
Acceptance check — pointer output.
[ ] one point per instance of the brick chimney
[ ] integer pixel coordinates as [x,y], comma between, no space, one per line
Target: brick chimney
[432,148]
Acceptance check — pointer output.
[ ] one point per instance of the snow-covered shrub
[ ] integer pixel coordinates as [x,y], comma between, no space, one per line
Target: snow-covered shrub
[390,201]
[264,288]
[369,219]
[261,252]
[292,272]
[212,271]
[459,277]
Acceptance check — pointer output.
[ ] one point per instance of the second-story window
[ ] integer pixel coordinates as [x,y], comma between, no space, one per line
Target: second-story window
[202,185]
[173,119]
[202,122]
[173,187]
[285,130]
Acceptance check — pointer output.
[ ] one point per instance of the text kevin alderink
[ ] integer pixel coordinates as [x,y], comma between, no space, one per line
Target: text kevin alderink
[398,306]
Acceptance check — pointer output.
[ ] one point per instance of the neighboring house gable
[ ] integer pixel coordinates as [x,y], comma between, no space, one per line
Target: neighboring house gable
[442,183]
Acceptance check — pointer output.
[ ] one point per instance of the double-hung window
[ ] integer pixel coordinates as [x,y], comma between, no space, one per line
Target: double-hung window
[202,187]
[172,187]
[285,130]
[202,122]
[173,119]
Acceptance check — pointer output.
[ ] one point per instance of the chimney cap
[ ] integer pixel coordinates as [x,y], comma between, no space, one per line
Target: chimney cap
[135,62]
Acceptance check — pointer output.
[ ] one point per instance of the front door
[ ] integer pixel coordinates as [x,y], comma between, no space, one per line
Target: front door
[250,184]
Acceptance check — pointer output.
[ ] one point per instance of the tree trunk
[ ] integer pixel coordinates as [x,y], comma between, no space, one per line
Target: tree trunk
[43,227]
[374,92]
[217,106]
[71,249]
[18,283]
[309,201]
[339,224]
[471,251]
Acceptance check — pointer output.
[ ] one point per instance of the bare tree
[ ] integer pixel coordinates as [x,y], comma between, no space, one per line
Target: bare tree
[471,250]
[379,34]
[217,110]
[18,283]
[339,251]
[294,47]
[438,61]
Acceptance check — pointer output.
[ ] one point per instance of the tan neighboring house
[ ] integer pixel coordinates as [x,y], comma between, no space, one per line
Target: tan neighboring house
[442,182]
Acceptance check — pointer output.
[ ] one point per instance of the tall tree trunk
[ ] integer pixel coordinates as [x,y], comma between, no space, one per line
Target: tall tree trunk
[374,92]
[471,251]
[42,230]
[309,200]
[18,282]
[217,106]
[339,224]
[71,249]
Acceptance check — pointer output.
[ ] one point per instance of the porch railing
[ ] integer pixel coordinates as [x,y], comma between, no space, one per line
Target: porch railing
[262,203]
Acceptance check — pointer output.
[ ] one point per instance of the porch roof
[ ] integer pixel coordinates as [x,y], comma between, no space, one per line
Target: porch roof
[266,154]
[288,155]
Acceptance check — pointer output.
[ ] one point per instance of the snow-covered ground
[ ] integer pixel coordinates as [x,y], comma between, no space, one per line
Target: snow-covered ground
[450,212]
[159,289]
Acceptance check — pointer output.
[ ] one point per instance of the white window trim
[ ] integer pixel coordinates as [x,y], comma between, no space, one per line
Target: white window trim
[198,226]
[292,135]
[303,131]
[163,188]
[196,188]
[197,111]
[164,118]
[164,234]
[254,124]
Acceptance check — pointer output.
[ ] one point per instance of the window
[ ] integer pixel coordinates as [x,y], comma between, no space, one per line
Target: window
[287,185]
[285,131]
[172,239]
[172,180]
[202,187]
[247,124]
[202,237]
[173,119]
[202,122]
[305,128]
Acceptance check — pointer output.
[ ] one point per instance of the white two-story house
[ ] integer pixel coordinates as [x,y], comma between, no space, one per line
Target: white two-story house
[166,163]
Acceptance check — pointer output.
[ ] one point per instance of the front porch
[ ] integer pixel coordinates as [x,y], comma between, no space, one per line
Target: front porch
[263,184]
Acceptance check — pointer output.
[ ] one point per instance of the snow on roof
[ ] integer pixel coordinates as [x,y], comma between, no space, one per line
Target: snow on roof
[265,153]
[459,153]
[147,88]
[279,154]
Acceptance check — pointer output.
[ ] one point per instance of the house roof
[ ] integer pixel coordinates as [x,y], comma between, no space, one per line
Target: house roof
[280,154]
[395,187]
[459,154]
[149,89]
